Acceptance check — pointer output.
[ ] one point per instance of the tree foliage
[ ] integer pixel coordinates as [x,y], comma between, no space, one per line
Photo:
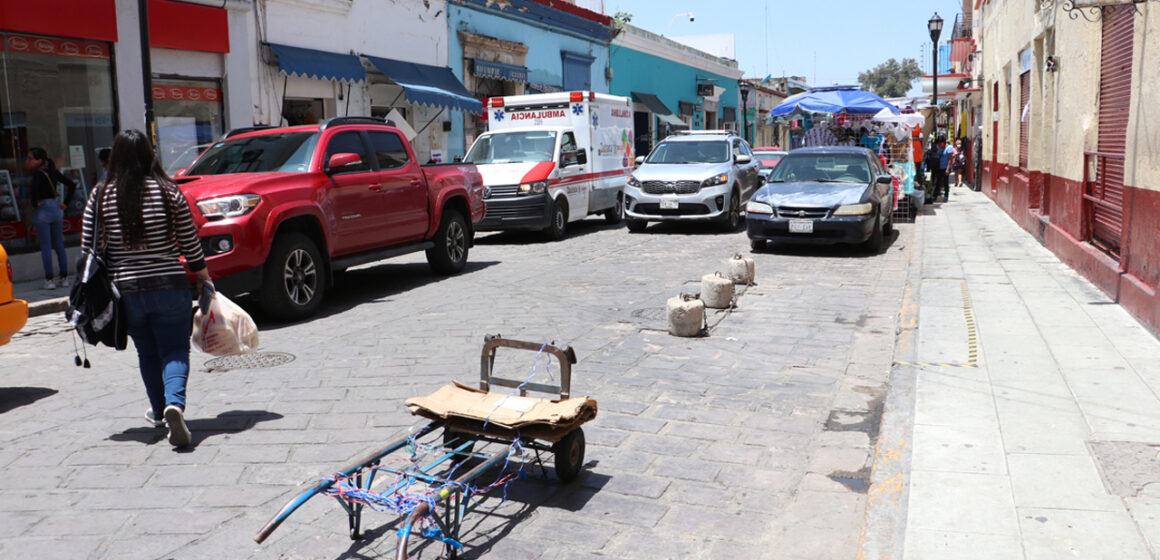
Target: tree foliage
[891,78]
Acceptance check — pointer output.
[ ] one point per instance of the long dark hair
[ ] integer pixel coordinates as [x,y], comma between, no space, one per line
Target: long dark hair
[131,163]
[42,155]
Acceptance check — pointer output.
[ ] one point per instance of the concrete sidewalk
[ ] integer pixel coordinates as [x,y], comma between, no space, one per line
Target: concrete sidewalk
[1024,416]
[40,300]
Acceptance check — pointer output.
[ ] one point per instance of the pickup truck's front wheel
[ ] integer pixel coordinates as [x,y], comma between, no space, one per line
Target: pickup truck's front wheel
[294,282]
[449,255]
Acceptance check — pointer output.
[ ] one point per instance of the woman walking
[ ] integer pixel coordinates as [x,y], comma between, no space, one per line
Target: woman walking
[146,226]
[48,214]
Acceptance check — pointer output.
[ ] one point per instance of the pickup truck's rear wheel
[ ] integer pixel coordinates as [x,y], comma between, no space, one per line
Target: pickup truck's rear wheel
[294,283]
[449,255]
[615,214]
[559,224]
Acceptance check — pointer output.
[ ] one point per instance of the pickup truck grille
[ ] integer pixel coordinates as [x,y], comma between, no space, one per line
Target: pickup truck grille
[499,191]
[671,187]
[802,212]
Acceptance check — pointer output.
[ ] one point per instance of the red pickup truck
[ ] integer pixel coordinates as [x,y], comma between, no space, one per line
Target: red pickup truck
[281,210]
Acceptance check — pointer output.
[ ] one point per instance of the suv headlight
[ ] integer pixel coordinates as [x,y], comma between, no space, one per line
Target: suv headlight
[854,209]
[758,207]
[716,180]
[533,188]
[228,206]
[632,182]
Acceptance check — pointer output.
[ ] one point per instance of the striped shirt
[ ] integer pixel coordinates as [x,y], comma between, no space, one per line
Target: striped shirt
[158,265]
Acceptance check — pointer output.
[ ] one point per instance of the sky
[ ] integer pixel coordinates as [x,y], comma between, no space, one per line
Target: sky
[826,41]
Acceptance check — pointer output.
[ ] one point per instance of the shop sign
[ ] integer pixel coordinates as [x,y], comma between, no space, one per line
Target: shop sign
[57,47]
[186,93]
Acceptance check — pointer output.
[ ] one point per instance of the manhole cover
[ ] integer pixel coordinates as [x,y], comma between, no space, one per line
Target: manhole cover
[249,361]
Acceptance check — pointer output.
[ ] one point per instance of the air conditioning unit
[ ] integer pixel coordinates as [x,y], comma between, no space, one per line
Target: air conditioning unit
[607,72]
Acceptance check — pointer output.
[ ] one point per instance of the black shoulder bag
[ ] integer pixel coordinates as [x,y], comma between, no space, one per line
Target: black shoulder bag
[95,308]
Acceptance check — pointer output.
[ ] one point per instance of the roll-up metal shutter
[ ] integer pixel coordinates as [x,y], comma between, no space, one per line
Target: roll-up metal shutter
[1115,95]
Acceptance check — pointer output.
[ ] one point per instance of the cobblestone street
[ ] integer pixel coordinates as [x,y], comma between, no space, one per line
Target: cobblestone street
[753,442]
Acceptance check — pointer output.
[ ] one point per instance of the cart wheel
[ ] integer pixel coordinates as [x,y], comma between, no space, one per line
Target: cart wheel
[569,455]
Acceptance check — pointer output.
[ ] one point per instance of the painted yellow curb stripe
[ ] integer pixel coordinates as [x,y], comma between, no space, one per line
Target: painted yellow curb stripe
[972,337]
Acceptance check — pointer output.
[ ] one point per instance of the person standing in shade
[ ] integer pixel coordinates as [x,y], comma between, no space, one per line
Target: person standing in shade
[48,214]
[940,173]
[146,227]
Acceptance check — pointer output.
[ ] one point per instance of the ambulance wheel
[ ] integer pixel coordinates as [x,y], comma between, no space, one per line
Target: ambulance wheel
[615,214]
[569,455]
[636,226]
[559,224]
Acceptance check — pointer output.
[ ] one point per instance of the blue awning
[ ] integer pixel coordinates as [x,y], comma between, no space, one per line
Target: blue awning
[833,99]
[500,71]
[430,85]
[318,64]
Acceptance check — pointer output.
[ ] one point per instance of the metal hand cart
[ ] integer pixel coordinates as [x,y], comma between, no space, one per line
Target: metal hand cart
[430,490]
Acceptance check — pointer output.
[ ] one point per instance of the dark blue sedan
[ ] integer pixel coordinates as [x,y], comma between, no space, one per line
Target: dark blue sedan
[824,195]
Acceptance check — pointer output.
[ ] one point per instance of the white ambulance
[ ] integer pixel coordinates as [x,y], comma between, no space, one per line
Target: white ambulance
[552,158]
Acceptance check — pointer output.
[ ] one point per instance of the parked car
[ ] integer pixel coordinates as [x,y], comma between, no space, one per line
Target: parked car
[692,176]
[767,158]
[824,195]
[281,210]
[13,312]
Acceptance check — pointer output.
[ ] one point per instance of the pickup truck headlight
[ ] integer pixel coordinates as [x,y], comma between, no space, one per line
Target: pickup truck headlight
[632,182]
[854,209]
[533,188]
[716,180]
[758,207]
[228,206]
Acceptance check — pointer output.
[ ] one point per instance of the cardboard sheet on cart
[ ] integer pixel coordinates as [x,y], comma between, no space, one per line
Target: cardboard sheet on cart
[457,403]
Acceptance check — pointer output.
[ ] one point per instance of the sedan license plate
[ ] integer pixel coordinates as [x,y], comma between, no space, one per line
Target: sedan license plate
[801,226]
[669,204]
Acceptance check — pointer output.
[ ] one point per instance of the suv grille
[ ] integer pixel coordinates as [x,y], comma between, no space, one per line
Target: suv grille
[671,187]
[803,212]
[504,190]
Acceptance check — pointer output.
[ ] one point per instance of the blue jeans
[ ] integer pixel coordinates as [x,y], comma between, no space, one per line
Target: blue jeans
[160,324]
[48,219]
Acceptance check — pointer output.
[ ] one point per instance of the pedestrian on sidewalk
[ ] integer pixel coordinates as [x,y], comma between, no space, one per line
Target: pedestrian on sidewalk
[959,161]
[48,213]
[941,170]
[146,226]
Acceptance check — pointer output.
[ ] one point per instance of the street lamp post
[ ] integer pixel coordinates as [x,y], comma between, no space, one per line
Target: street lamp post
[743,87]
[935,26]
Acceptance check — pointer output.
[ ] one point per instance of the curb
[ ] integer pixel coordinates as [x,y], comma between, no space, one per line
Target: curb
[44,307]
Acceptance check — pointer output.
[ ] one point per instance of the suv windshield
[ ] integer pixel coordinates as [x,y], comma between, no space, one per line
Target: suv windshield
[705,151]
[290,151]
[513,147]
[822,168]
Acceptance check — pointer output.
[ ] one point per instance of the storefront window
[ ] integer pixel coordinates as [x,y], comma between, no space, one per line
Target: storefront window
[189,118]
[56,94]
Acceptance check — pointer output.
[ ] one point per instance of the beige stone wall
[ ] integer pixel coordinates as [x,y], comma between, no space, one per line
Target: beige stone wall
[1143,157]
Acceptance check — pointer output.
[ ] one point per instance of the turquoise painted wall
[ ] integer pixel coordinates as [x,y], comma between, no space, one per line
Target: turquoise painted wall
[670,81]
[544,61]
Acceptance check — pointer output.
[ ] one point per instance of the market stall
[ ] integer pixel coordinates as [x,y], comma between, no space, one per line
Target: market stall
[897,130]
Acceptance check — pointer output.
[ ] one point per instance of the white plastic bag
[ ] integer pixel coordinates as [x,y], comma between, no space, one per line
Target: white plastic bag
[224,328]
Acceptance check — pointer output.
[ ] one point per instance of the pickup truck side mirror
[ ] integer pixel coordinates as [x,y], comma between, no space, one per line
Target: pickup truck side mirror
[639,160]
[581,156]
[742,159]
[458,159]
[340,160]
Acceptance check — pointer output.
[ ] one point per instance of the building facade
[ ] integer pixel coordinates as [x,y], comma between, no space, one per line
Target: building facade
[1069,137]
[673,86]
[516,47]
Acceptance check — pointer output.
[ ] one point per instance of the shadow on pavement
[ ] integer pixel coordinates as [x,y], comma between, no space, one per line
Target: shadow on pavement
[574,230]
[487,523]
[16,397]
[690,228]
[363,285]
[835,250]
[231,422]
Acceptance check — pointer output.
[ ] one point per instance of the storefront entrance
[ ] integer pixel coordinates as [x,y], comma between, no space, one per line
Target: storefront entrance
[57,94]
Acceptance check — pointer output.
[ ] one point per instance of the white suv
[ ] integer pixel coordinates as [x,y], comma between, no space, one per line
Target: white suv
[692,176]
